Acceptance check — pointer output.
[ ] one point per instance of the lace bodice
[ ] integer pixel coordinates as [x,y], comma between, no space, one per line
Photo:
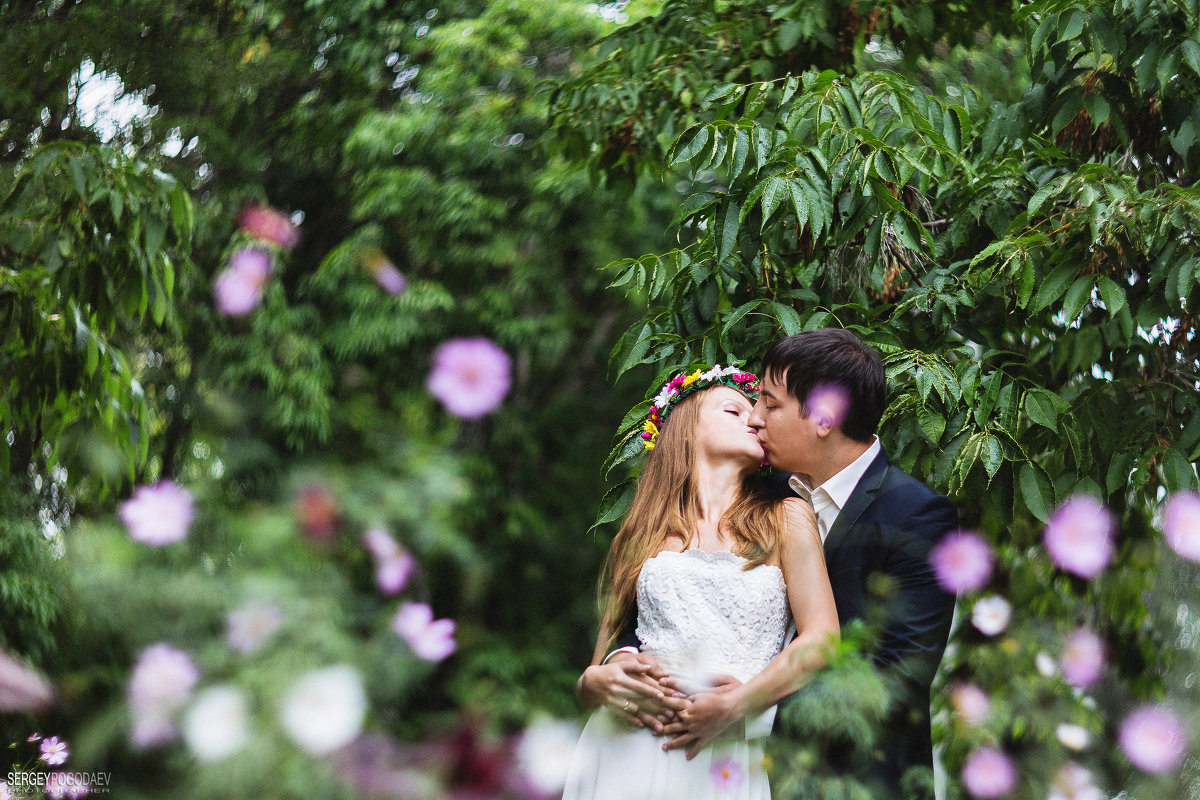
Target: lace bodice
[703,614]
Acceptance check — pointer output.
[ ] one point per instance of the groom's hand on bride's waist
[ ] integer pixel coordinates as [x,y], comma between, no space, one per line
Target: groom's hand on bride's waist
[632,686]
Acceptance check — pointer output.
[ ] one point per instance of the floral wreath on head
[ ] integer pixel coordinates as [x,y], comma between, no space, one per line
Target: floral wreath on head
[684,384]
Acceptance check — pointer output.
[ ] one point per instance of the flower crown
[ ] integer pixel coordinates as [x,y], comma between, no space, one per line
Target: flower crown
[684,384]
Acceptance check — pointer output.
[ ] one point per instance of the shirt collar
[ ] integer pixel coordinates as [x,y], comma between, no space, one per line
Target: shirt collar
[842,485]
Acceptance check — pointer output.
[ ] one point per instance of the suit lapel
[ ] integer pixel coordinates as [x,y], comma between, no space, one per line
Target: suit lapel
[862,497]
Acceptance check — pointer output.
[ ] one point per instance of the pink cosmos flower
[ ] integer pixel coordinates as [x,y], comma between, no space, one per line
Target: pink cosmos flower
[1082,658]
[249,627]
[158,515]
[726,773]
[393,564]
[239,287]
[962,562]
[6,792]
[54,751]
[470,376]
[991,614]
[263,222]
[161,684]
[989,773]
[1181,524]
[1154,739]
[971,703]
[1079,537]
[430,639]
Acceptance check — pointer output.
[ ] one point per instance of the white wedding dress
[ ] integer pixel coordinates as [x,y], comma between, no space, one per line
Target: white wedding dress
[701,614]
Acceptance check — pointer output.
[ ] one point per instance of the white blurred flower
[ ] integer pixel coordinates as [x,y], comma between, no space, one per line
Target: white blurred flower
[544,754]
[161,684]
[218,723]
[991,615]
[1074,782]
[324,709]
[1046,666]
[249,627]
[1073,737]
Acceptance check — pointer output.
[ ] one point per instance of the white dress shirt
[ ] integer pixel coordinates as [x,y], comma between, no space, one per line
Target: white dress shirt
[831,497]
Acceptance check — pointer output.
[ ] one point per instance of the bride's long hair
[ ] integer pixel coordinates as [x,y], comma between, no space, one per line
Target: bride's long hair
[665,507]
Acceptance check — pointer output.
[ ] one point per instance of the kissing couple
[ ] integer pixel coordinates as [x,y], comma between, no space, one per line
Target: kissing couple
[724,588]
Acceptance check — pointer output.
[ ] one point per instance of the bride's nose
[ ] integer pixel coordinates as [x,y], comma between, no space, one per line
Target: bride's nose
[755,420]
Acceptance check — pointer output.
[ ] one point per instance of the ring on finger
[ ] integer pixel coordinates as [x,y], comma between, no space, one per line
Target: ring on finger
[627,705]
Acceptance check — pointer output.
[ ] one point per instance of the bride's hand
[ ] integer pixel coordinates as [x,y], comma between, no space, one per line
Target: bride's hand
[631,686]
[710,713]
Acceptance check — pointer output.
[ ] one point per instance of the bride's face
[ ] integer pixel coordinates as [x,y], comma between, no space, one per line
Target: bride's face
[723,428]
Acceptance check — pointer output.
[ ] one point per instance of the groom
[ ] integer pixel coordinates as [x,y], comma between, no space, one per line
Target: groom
[823,394]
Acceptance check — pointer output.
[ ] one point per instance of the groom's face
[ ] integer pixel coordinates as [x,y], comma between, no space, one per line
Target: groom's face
[788,437]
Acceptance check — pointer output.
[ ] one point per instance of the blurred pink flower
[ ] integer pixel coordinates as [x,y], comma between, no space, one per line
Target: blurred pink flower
[393,564]
[161,684]
[991,615]
[1082,658]
[22,689]
[263,222]
[470,376]
[430,639]
[66,784]
[392,574]
[390,279]
[962,562]
[158,515]
[1154,739]
[726,773]
[6,792]
[239,286]
[54,751]
[1181,524]
[970,703]
[249,627]
[988,773]
[827,404]
[1079,537]
[318,513]
[1074,782]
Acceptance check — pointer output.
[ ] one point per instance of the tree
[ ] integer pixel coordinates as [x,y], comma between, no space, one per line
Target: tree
[1025,266]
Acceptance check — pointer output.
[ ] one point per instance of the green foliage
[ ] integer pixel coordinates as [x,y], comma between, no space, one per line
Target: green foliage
[90,242]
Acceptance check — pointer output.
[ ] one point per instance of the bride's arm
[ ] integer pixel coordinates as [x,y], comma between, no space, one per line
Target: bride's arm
[802,560]
[629,685]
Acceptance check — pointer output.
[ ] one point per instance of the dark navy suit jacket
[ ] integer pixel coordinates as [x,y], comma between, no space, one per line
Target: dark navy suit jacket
[884,535]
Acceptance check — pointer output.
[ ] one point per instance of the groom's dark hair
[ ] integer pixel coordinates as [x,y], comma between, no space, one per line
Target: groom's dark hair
[832,357]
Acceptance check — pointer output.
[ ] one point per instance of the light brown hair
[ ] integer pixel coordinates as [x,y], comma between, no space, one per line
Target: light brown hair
[665,507]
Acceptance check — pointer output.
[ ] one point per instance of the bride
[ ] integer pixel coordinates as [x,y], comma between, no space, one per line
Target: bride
[712,573]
